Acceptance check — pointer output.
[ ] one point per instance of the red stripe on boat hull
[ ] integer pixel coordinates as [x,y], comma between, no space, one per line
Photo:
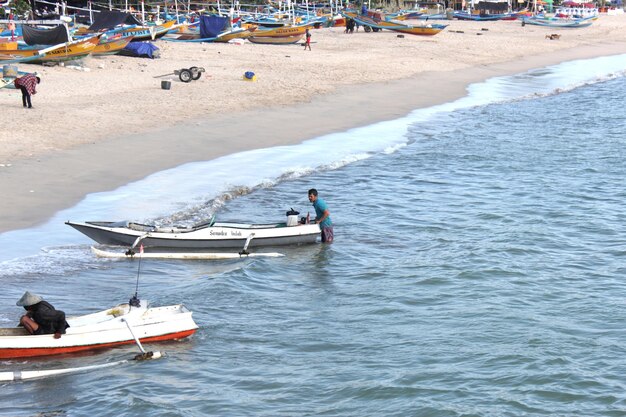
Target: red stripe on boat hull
[10,353]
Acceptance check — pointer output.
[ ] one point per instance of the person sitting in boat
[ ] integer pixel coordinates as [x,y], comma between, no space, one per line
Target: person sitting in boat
[41,317]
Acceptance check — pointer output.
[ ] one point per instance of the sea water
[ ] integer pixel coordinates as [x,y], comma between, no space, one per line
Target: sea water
[478,269]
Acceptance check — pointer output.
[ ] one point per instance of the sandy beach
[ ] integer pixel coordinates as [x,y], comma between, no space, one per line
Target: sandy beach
[110,123]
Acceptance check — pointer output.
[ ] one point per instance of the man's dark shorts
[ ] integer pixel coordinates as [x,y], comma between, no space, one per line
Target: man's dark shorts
[327,234]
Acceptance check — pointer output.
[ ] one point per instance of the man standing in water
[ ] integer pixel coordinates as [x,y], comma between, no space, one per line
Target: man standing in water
[322,216]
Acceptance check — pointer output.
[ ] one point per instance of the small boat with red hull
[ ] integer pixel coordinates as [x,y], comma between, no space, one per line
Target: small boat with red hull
[113,327]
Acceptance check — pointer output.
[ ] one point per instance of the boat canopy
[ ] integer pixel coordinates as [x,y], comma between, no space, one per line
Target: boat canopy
[493,6]
[35,36]
[110,19]
[211,26]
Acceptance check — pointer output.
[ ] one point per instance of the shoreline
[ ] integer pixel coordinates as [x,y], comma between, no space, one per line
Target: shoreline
[37,187]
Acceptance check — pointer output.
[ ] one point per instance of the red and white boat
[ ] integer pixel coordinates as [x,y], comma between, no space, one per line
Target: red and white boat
[113,327]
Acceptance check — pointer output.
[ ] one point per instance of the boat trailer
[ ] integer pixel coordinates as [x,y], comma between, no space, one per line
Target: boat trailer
[186,75]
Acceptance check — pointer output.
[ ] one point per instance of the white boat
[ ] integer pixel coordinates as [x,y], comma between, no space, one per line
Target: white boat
[210,235]
[120,325]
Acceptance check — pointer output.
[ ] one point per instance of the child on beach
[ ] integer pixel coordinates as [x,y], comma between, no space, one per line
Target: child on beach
[307,43]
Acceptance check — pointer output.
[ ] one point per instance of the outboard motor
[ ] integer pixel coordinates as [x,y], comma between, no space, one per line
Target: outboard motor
[292,217]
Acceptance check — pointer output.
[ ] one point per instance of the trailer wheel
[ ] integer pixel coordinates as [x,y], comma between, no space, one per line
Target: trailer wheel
[375,29]
[185,75]
[367,29]
[195,74]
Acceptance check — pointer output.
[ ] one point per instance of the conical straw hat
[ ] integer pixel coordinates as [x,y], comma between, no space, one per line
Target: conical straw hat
[28,299]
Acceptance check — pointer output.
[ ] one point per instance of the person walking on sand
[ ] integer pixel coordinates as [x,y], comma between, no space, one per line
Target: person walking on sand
[28,85]
[307,42]
[322,216]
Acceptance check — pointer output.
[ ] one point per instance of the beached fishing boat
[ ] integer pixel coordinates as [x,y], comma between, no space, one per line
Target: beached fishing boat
[211,29]
[148,33]
[380,23]
[278,36]
[407,15]
[111,45]
[225,36]
[201,237]
[235,33]
[113,327]
[558,22]
[61,52]
[483,17]
[124,25]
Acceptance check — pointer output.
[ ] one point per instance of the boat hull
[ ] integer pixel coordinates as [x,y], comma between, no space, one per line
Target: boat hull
[65,52]
[220,235]
[240,34]
[559,23]
[286,40]
[111,47]
[278,36]
[149,33]
[102,330]
[10,353]
[422,30]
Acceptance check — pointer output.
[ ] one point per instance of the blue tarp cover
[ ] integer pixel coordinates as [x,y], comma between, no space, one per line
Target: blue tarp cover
[211,26]
[140,49]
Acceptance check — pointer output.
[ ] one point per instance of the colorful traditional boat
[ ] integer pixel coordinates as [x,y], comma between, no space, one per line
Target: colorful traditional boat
[111,45]
[113,327]
[335,21]
[483,17]
[235,33]
[408,15]
[377,23]
[62,52]
[201,237]
[225,36]
[211,29]
[278,36]
[556,23]
[137,32]
[148,33]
